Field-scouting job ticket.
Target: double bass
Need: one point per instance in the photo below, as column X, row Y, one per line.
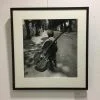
column 41, row 58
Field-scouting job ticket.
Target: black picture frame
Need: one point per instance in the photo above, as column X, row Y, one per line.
column 13, row 47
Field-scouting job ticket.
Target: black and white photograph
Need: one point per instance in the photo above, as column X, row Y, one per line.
column 50, row 47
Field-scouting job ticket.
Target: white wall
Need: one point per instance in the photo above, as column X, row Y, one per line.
column 6, row 92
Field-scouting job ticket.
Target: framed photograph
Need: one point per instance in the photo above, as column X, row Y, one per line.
column 50, row 48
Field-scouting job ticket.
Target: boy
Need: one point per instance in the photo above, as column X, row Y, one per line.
column 51, row 50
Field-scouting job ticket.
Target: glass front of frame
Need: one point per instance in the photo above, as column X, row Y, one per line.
column 49, row 48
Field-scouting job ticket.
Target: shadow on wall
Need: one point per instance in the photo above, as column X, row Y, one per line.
column 37, row 94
